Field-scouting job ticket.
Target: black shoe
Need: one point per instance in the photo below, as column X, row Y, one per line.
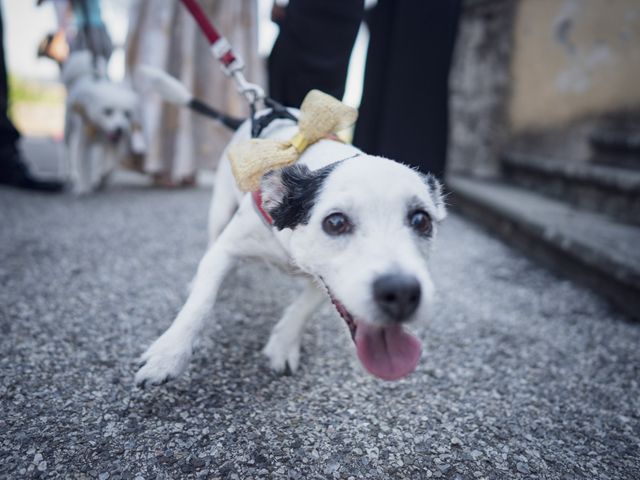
column 15, row 173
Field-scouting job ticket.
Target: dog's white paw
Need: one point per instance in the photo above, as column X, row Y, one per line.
column 283, row 351
column 165, row 360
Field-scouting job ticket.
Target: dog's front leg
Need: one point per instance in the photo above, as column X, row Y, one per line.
column 95, row 163
column 169, row 355
column 102, row 165
column 77, row 148
column 283, row 347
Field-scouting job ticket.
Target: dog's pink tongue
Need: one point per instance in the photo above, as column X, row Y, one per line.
column 389, row 353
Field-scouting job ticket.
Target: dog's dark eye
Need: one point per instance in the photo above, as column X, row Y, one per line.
column 127, row 114
column 337, row 224
column 108, row 112
column 420, row 222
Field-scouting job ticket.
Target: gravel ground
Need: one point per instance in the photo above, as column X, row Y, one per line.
column 524, row 375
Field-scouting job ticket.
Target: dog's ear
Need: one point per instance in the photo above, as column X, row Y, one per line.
column 289, row 194
column 78, row 108
column 272, row 190
column 435, row 190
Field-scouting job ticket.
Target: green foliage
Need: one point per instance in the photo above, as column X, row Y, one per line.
column 21, row 90
column 33, row 92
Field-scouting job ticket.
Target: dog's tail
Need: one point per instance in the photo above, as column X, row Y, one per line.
column 173, row 91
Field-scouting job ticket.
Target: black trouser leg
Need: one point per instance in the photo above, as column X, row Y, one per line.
column 13, row 171
column 313, row 49
column 8, row 133
column 404, row 108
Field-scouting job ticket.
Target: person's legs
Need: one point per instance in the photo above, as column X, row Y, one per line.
column 379, row 20
column 404, row 113
column 9, row 136
column 313, row 48
column 13, row 171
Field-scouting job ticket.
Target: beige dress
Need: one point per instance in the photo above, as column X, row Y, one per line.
column 163, row 34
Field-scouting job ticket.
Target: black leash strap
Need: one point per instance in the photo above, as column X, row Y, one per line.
column 276, row 112
column 232, row 65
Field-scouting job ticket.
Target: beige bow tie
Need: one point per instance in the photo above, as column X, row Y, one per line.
column 321, row 115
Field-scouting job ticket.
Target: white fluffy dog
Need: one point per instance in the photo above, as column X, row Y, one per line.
column 357, row 227
column 101, row 125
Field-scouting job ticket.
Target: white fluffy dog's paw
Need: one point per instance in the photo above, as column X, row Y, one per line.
column 164, row 360
column 283, row 351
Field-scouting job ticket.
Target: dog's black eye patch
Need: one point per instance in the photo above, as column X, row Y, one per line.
column 298, row 189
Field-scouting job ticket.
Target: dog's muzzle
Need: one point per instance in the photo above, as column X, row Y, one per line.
column 397, row 295
column 388, row 352
column 116, row 135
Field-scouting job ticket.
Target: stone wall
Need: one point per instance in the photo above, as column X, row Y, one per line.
column 480, row 82
column 540, row 76
column 573, row 59
column 575, row 68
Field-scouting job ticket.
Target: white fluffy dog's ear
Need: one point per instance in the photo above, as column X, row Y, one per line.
column 80, row 102
column 435, row 190
column 78, row 107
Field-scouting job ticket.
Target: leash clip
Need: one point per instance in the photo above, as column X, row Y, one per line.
column 232, row 66
column 251, row 91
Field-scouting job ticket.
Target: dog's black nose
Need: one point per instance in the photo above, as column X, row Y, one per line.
column 398, row 295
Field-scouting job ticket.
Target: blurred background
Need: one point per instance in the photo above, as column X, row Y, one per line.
column 554, row 77
column 37, row 97
column 545, row 134
column 36, row 94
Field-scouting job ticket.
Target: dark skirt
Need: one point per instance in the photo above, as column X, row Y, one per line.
column 404, row 108
column 313, row 48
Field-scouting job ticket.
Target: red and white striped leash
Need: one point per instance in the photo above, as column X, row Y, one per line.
column 232, row 65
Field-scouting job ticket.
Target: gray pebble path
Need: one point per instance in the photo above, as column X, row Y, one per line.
column 523, row 375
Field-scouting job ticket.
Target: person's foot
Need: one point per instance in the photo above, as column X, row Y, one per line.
column 188, row 181
column 15, row 173
column 164, row 180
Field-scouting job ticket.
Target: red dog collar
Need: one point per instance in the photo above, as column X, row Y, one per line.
column 257, row 203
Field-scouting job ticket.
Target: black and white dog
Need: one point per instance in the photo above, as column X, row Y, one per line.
column 359, row 228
